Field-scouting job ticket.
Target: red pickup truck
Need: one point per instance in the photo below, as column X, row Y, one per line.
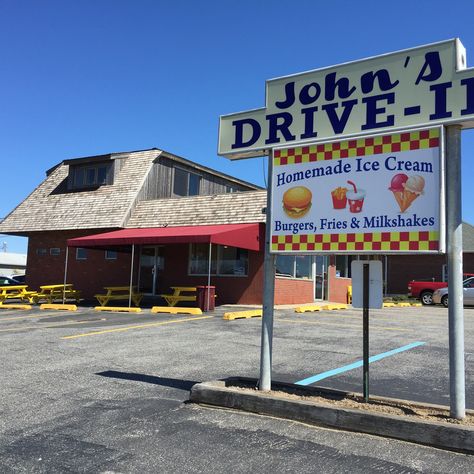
column 424, row 289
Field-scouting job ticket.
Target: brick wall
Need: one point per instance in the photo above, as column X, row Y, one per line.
column 293, row 291
column 403, row 268
column 337, row 286
column 91, row 275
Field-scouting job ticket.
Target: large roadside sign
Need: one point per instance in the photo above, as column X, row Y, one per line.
column 378, row 194
column 356, row 159
column 424, row 86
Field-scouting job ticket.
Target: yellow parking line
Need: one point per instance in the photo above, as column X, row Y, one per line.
column 384, row 328
column 128, row 328
column 56, row 325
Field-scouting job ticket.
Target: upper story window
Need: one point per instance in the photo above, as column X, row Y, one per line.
column 91, row 175
column 186, row 183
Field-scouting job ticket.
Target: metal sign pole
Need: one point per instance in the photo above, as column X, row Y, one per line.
column 65, row 274
column 209, row 275
column 454, row 243
column 365, row 330
column 131, row 277
column 265, row 381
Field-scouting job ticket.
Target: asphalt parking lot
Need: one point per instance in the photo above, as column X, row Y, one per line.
column 89, row 391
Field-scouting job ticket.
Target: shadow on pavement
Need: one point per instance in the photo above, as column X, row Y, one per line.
column 164, row 381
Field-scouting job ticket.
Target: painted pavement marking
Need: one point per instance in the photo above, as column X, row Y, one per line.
column 355, row 365
column 140, row 326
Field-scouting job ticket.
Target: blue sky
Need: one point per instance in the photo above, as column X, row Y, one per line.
column 81, row 78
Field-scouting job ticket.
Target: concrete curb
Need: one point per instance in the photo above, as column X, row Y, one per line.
column 224, row 393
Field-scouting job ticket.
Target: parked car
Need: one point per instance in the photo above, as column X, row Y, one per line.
column 6, row 281
column 424, row 289
column 441, row 296
column 19, row 278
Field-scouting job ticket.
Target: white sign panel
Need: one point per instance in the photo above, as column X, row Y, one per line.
column 424, row 86
column 375, row 283
column 378, row 194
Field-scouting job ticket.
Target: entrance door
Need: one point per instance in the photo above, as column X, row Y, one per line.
column 320, row 277
column 151, row 264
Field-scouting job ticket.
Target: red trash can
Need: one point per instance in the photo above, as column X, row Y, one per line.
column 206, row 296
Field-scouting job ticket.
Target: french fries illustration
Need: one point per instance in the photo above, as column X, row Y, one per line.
column 339, row 199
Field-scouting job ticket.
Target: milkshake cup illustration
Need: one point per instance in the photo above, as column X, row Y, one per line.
column 339, row 198
column 406, row 189
column 355, row 198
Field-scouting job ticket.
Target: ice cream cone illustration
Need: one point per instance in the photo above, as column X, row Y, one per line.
column 397, row 188
column 406, row 189
column 413, row 188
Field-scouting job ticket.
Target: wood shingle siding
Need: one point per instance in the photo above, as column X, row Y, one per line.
column 104, row 207
column 235, row 208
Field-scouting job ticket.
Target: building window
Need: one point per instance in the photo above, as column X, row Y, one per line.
column 91, row 176
column 41, row 252
column 55, row 251
column 224, row 260
column 343, row 266
column 110, row 255
column 81, row 254
column 186, row 183
column 298, row 266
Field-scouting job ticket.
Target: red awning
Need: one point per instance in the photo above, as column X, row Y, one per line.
column 246, row 236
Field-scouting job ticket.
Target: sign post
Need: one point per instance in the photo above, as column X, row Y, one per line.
column 356, row 157
column 367, row 292
column 265, row 381
column 455, row 309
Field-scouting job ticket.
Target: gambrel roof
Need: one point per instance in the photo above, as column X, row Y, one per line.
column 51, row 206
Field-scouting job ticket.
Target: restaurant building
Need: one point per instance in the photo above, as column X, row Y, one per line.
column 170, row 213
column 173, row 213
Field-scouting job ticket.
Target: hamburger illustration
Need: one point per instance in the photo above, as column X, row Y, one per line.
column 297, row 201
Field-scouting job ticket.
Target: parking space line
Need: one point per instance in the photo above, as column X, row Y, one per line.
column 372, row 327
column 355, row 365
column 138, row 326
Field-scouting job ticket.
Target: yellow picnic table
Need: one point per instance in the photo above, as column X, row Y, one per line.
column 178, row 296
column 16, row 292
column 119, row 293
column 50, row 293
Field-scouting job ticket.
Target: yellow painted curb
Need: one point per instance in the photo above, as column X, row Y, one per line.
column 63, row 307
column 243, row 315
column 306, row 309
column 175, row 310
column 15, row 306
column 403, row 305
column 389, row 305
column 416, row 304
column 334, row 306
column 118, row 308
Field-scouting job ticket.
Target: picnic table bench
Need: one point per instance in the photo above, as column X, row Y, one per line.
column 50, row 293
column 16, row 292
column 178, row 296
column 119, row 293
